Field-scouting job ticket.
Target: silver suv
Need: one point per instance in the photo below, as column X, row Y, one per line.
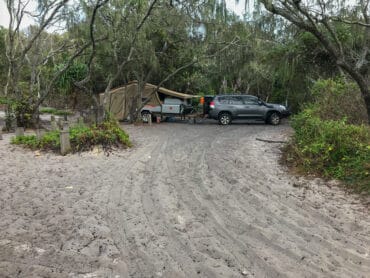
column 226, row 108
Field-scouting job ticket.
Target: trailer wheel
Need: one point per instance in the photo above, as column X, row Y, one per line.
column 145, row 116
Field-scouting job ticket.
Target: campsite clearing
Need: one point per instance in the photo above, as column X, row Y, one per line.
column 186, row 201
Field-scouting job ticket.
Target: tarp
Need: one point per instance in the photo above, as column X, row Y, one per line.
column 121, row 99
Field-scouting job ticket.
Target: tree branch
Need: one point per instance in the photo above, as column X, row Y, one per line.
column 128, row 59
column 81, row 83
column 149, row 11
column 338, row 19
column 44, row 24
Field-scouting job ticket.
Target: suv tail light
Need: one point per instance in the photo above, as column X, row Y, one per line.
column 212, row 105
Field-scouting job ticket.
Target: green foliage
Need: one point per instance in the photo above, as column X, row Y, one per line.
column 344, row 33
column 308, row 41
column 27, row 140
column 8, row 101
column 260, row 54
column 107, row 134
column 77, row 71
column 4, row 101
column 336, row 99
column 47, row 110
column 50, row 141
column 9, row 115
column 332, row 148
column 19, row 109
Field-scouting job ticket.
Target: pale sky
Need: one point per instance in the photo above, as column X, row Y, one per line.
column 237, row 8
column 4, row 16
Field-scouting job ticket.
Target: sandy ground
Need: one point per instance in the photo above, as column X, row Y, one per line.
column 187, row 201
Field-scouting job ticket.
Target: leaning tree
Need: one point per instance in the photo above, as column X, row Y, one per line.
column 343, row 29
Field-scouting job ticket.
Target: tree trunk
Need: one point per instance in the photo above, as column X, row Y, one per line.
column 366, row 95
column 365, row 91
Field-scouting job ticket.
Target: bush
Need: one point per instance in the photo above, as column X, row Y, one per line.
column 7, row 105
column 3, row 101
column 107, row 134
column 338, row 99
column 332, row 148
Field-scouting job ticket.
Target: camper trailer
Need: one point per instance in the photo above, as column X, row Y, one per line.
column 170, row 107
column 158, row 101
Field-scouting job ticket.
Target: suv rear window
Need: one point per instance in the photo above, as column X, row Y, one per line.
column 235, row 100
column 223, row 100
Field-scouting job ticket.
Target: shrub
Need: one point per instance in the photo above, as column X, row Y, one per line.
column 107, row 134
column 332, row 148
column 3, row 101
column 332, row 137
column 338, row 99
column 8, row 105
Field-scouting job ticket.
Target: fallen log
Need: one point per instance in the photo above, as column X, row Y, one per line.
column 271, row 141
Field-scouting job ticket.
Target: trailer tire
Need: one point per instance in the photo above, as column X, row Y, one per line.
column 145, row 116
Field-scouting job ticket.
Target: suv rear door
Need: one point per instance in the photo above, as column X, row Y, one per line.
column 235, row 105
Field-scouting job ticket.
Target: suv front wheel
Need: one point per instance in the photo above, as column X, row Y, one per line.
column 274, row 118
column 224, row 118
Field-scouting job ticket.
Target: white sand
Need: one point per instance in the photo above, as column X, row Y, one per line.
column 186, row 201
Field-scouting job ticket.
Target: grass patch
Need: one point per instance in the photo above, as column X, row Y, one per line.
column 83, row 138
column 54, row 111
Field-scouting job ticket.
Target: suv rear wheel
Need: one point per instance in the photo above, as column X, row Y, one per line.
column 274, row 118
column 224, row 118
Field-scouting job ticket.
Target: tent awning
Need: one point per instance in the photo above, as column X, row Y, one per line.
column 173, row 93
column 160, row 89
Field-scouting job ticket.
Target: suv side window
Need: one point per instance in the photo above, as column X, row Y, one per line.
column 235, row 100
column 249, row 100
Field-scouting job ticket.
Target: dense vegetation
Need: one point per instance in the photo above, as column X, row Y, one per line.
column 334, row 149
column 197, row 47
column 331, row 142
column 108, row 135
column 313, row 56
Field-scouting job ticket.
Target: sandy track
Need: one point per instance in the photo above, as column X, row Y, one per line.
column 186, row 201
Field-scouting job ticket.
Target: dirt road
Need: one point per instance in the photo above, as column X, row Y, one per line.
column 186, row 201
